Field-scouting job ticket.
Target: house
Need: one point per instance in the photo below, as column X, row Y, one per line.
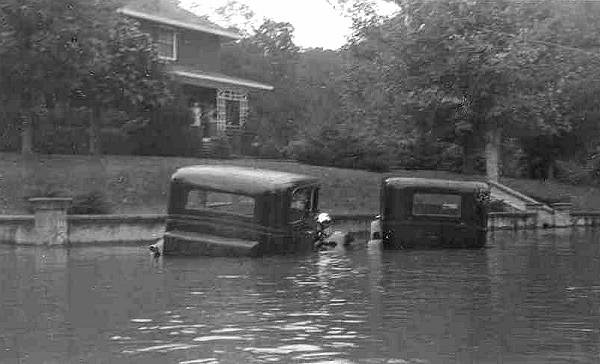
column 191, row 46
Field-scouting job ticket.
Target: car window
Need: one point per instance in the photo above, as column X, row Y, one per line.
column 437, row 204
column 219, row 201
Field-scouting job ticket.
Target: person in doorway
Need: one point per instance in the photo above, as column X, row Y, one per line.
column 196, row 115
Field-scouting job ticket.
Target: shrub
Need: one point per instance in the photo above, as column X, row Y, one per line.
column 39, row 189
column 165, row 133
column 9, row 133
column 573, row 173
column 332, row 147
column 89, row 203
column 429, row 153
column 46, row 190
column 116, row 141
column 269, row 149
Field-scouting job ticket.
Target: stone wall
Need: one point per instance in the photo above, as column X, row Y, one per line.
column 122, row 229
column 146, row 229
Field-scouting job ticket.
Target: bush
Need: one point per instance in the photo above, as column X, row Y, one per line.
column 429, row 153
column 51, row 138
column 165, row 133
column 573, row 173
column 9, row 133
column 116, row 141
column 90, row 203
column 332, row 147
column 46, row 190
column 269, row 149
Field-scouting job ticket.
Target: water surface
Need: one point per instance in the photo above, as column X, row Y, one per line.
column 529, row 297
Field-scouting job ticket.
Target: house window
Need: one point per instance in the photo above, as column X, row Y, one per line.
column 167, row 44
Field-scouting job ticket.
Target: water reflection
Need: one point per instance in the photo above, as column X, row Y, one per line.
column 529, row 297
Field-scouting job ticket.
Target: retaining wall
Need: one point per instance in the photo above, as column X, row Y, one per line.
column 144, row 229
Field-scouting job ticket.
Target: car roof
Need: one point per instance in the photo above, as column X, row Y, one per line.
column 425, row 183
column 242, row 180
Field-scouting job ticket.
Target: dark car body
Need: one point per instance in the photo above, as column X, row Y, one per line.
column 433, row 213
column 233, row 211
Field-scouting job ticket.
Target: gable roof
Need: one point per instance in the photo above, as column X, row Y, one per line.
column 169, row 13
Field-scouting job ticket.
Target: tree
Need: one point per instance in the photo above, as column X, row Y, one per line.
column 52, row 50
column 271, row 56
column 124, row 73
column 40, row 57
column 484, row 66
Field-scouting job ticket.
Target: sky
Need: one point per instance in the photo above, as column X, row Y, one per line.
column 316, row 22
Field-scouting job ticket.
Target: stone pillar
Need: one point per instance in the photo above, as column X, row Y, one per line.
column 562, row 214
column 492, row 153
column 51, row 220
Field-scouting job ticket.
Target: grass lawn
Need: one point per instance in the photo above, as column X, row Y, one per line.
column 139, row 184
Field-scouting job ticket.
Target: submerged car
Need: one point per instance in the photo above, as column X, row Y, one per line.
column 431, row 213
column 233, row 211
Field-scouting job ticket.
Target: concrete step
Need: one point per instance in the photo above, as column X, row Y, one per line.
column 547, row 216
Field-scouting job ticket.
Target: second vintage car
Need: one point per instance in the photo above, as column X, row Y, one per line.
column 431, row 213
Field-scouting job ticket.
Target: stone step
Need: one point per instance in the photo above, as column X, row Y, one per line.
column 547, row 216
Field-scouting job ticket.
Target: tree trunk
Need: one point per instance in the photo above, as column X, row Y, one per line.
column 26, row 135
column 469, row 154
column 492, row 153
column 94, row 131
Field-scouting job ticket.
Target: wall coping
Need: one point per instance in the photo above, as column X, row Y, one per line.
column 116, row 217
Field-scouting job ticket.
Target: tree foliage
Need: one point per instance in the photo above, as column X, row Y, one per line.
column 453, row 69
column 304, row 94
column 77, row 53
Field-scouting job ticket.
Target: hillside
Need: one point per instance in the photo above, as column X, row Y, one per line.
column 136, row 184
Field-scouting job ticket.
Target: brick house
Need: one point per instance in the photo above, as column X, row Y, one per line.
column 191, row 46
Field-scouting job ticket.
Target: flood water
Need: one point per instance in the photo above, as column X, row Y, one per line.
column 529, row 297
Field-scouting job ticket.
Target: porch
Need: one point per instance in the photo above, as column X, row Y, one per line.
column 218, row 104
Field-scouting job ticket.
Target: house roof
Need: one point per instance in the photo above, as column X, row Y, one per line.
column 241, row 180
column 214, row 79
column 169, row 13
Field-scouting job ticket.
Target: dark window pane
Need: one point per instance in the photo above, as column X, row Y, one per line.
column 218, row 201
column 232, row 109
column 301, row 203
column 437, row 204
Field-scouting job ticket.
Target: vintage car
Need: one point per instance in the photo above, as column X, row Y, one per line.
column 232, row 211
column 431, row 213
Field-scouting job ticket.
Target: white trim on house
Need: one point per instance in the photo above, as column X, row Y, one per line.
column 223, row 79
column 180, row 24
